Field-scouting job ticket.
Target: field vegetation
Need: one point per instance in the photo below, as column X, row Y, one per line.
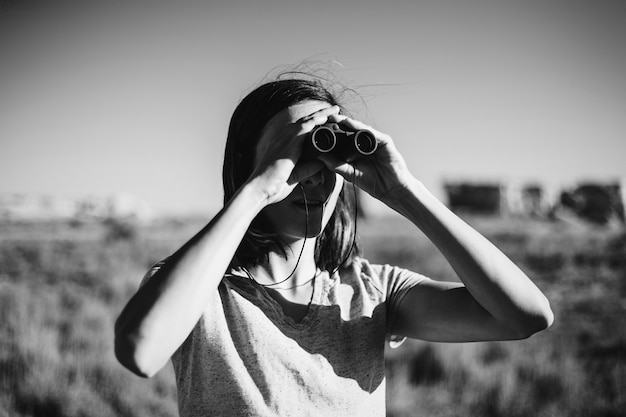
column 63, row 284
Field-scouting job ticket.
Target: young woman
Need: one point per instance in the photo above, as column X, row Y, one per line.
column 270, row 310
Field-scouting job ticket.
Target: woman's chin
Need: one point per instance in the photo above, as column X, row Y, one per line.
column 313, row 230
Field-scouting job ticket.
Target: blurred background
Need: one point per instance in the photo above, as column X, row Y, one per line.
column 113, row 118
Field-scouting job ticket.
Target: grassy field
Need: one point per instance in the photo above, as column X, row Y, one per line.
column 62, row 285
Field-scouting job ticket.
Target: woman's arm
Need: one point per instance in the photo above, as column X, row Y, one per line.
column 495, row 301
column 160, row 316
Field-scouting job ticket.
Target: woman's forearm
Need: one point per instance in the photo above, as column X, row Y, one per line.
column 496, row 283
column 163, row 312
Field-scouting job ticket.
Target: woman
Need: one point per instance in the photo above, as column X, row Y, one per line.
column 270, row 311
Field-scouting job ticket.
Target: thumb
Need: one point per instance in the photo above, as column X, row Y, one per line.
column 303, row 170
column 345, row 169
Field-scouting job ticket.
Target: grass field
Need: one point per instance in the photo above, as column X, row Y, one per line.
column 62, row 285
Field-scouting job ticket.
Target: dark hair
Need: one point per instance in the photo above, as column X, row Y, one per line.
column 335, row 244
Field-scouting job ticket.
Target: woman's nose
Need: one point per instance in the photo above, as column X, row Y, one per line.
column 315, row 179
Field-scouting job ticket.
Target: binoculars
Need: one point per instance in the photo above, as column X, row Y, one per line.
column 345, row 145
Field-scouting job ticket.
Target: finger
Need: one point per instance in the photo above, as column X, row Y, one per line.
column 316, row 120
column 313, row 123
column 337, row 118
column 353, row 125
column 304, row 170
column 328, row 111
column 343, row 168
column 325, row 112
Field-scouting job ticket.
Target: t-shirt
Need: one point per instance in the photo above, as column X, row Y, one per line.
column 245, row 357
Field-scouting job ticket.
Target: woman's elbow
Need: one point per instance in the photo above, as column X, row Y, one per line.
column 132, row 356
column 536, row 321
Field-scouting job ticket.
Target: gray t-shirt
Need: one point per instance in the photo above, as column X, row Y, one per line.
column 245, row 357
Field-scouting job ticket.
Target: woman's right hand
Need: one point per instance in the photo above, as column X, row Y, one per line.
column 276, row 167
column 162, row 314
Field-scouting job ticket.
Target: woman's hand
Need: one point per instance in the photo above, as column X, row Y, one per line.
column 277, row 170
column 378, row 174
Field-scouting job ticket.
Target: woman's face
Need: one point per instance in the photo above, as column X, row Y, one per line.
column 288, row 217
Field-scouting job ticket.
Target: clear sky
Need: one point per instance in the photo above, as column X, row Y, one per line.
column 105, row 97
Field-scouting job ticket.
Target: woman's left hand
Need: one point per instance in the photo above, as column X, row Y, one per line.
column 377, row 174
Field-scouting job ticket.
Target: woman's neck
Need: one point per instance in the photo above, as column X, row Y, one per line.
column 295, row 269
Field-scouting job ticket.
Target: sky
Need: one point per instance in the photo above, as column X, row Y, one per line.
column 101, row 98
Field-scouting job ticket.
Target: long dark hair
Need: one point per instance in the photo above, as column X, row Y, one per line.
column 335, row 244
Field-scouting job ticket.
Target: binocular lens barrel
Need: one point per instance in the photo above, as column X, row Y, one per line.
column 365, row 142
column 323, row 139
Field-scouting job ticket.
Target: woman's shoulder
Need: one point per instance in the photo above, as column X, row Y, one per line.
column 360, row 271
column 387, row 278
column 152, row 271
column 362, row 267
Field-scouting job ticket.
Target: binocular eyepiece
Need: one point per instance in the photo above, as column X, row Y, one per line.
column 346, row 145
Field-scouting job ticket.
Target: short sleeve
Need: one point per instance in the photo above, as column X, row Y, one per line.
column 153, row 270
column 398, row 282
